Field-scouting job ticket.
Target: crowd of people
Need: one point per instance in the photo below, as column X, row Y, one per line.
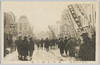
column 82, row 48
column 25, row 48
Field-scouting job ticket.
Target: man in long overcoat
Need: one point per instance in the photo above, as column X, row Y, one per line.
column 25, row 48
column 19, row 47
column 71, row 45
column 65, row 45
column 61, row 46
column 42, row 43
column 47, row 44
column 85, row 50
column 31, row 47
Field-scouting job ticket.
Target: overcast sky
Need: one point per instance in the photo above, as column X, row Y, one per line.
column 39, row 14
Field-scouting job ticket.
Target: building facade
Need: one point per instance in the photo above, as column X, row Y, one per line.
column 23, row 27
column 66, row 27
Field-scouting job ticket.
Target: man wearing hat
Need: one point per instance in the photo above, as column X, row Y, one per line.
column 25, row 48
column 65, row 43
column 19, row 49
column 47, row 44
column 85, row 48
column 61, row 46
column 31, row 47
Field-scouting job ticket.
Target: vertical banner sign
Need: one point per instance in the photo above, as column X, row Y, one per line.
column 74, row 15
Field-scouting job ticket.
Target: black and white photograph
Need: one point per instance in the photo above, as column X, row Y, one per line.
column 50, row 32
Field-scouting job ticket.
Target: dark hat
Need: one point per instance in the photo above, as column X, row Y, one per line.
column 25, row 37
column 65, row 37
column 84, row 35
column 46, row 38
column 19, row 37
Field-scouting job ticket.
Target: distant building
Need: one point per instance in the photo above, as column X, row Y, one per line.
column 67, row 27
column 23, row 27
column 56, row 29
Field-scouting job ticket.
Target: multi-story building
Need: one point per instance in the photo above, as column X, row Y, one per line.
column 23, row 27
column 85, row 12
column 84, row 15
column 67, row 27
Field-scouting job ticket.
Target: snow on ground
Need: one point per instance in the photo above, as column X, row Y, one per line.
column 39, row 54
column 12, row 56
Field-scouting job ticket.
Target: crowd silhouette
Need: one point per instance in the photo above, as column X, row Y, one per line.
column 81, row 48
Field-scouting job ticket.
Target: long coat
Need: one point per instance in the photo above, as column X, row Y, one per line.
column 19, row 46
column 61, row 44
column 71, row 46
column 25, row 47
column 41, row 43
column 65, row 43
column 47, row 43
column 86, row 51
column 31, row 46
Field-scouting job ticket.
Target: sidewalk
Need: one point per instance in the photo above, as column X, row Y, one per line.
column 11, row 56
column 57, row 54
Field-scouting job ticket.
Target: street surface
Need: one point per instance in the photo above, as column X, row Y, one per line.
column 41, row 55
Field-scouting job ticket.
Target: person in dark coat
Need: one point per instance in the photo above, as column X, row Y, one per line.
column 51, row 43
column 38, row 43
column 65, row 43
column 19, row 47
column 61, row 46
column 93, row 48
column 59, row 42
column 41, row 42
column 85, row 50
column 25, row 48
column 72, row 43
column 47, row 44
column 31, row 47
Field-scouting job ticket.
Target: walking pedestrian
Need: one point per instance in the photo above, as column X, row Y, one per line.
column 47, row 44
column 65, row 45
column 19, row 47
column 38, row 43
column 31, row 47
column 71, row 45
column 41, row 42
column 61, row 46
column 25, row 48
column 50, row 43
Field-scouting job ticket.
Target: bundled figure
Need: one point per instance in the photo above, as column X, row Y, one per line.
column 38, row 43
column 71, row 46
column 42, row 43
column 25, row 48
column 19, row 47
column 61, row 46
column 31, row 47
column 47, row 44
column 87, row 49
column 65, row 45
